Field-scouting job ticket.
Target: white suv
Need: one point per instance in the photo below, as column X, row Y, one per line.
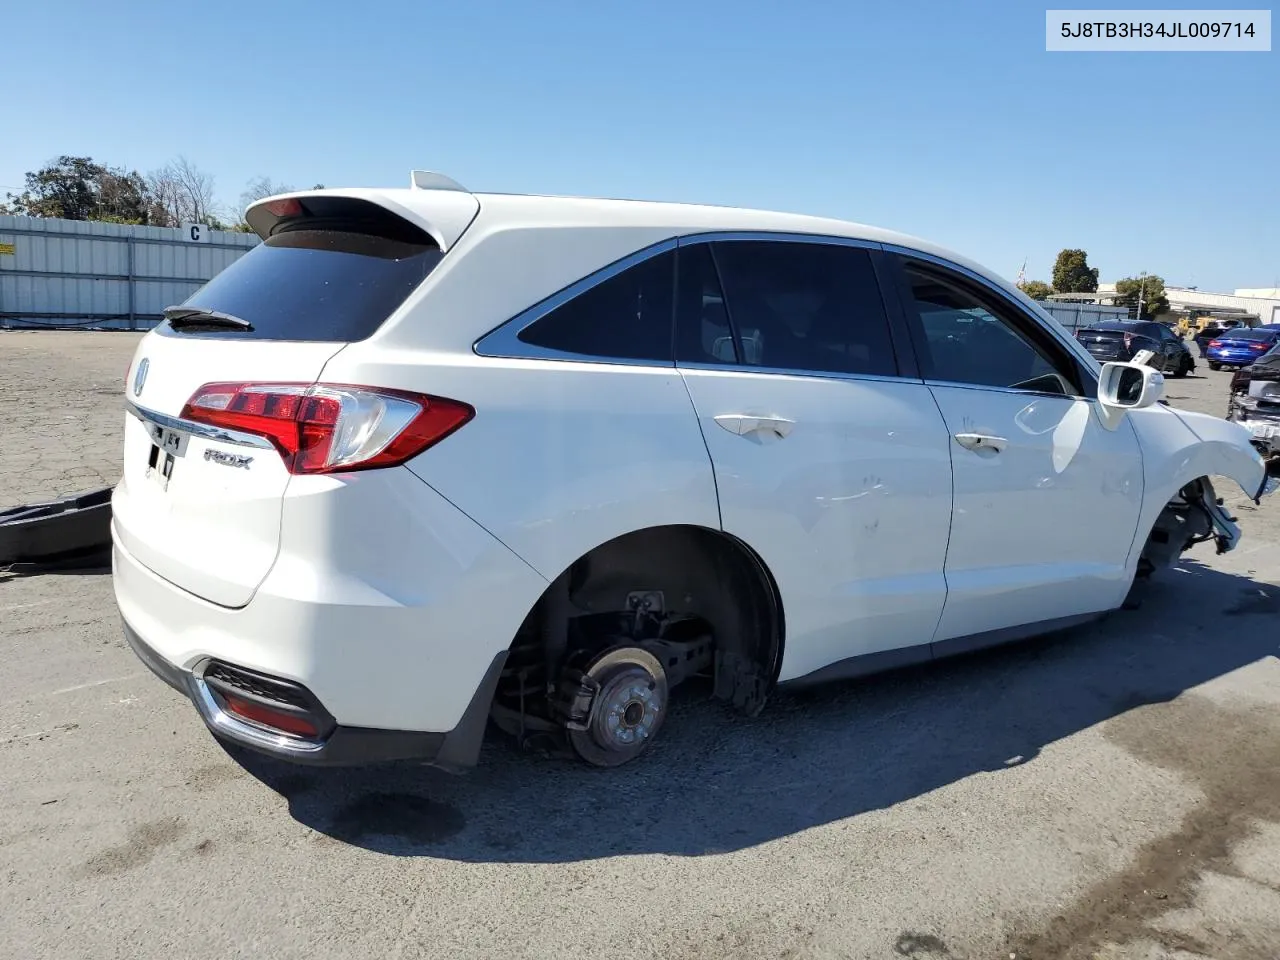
column 426, row 458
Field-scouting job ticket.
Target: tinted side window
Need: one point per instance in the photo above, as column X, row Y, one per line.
column 704, row 334
column 627, row 317
column 805, row 306
column 967, row 339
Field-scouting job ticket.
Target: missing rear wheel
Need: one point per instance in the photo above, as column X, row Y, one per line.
column 627, row 709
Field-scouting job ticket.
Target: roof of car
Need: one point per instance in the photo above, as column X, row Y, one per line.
column 1256, row 333
column 686, row 218
column 678, row 217
column 443, row 201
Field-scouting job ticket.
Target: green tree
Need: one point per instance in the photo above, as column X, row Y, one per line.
column 1035, row 289
column 1151, row 289
column 79, row 188
column 1072, row 273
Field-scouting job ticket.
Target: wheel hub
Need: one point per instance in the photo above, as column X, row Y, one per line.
column 629, row 706
column 627, row 710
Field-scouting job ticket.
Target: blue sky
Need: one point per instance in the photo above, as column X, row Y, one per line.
column 947, row 120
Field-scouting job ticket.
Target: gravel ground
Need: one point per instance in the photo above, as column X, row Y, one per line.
column 1111, row 792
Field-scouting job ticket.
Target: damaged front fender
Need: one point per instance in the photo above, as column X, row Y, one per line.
column 1225, row 449
column 1181, row 452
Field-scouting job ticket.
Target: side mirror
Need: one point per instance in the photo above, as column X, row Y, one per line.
column 1127, row 386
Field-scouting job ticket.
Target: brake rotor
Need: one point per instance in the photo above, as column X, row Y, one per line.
column 627, row 710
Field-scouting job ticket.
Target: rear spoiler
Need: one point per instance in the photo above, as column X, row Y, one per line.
column 436, row 204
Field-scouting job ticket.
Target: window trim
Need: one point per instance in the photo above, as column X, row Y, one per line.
column 1010, row 311
column 504, row 343
column 904, row 355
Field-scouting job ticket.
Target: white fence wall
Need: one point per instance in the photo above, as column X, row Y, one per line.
column 92, row 275
column 1073, row 316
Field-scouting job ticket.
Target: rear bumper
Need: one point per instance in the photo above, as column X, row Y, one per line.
column 343, row 745
column 386, row 604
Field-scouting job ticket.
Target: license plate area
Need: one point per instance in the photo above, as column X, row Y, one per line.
column 165, row 449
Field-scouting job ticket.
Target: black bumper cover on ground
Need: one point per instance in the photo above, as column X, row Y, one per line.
column 354, row 746
column 59, row 531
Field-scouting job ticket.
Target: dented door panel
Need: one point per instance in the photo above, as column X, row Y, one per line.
column 1042, row 527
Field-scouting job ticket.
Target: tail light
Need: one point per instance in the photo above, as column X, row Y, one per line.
column 1215, row 343
column 1259, row 345
column 328, row 428
column 1128, row 341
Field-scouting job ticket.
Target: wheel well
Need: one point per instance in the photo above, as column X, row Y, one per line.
column 701, row 573
column 1181, row 523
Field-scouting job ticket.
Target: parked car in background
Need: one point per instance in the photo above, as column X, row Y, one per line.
column 427, row 457
column 1241, row 347
column 1254, row 402
column 1212, row 331
column 1122, row 340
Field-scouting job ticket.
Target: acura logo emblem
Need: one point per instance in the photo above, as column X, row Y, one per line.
column 140, row 377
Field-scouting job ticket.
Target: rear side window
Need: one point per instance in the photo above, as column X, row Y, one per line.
column 704, row 332
column 318, row 279
column 808, row 307
column 626, row 317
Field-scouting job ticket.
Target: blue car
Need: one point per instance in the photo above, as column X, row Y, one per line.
column 1241, row 346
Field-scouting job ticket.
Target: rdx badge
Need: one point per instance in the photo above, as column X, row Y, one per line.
column 227, row 459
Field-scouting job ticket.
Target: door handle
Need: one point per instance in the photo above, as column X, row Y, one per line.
column 981, row 443
column 744, row 425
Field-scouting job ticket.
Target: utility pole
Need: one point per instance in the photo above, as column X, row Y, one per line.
column 1142, row 289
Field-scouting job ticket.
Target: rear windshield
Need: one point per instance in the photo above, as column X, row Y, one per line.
column 313, row 284
column 1249, row 334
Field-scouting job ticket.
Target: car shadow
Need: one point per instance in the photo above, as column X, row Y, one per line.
column 717, row 782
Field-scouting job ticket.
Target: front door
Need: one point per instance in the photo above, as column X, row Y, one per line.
column 828, row 463
column 1046, row 498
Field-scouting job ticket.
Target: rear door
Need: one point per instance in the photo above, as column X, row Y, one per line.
column 201, row 506
column 829, row 462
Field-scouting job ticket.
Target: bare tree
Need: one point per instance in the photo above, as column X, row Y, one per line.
column 167, row 197
column 184, row 192
column 198, row 189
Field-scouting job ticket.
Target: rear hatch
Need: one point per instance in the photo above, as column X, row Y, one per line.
column 1106, row 344
column 200, row 499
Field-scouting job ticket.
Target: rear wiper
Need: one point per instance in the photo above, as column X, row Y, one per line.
column 197, row 317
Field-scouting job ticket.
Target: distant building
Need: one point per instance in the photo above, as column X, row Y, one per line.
column 1252, row 306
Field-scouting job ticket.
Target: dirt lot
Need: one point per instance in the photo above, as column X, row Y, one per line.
column 1113, row 792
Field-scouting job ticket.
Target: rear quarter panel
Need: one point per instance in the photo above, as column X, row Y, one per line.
column 561, row 456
